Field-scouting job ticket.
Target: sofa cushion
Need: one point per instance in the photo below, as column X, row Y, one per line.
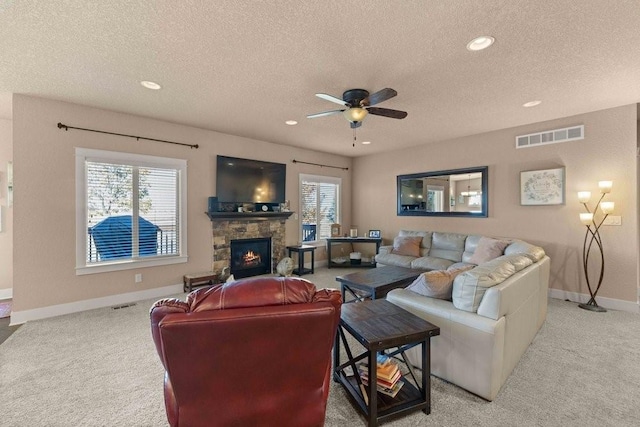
column 407, row 245
column 487, row 250
column 470, row 286
column 430, row 263
column 395, row 259
column 536, row 253
column 470, row 245
column 447, row 245
column 436, row 283
column 425, row 244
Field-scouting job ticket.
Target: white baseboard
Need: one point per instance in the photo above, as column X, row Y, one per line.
column 6, row 293
column 613, row 304
column 19, row 317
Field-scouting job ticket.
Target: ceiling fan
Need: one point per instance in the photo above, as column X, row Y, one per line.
column 359, row 103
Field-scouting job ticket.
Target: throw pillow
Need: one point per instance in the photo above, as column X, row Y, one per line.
column 436, row 283
column 407, row 245
column 487, row 250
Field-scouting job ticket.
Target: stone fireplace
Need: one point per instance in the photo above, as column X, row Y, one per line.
column 229, row 226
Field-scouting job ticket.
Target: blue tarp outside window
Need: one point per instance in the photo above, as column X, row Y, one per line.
column 112, row 237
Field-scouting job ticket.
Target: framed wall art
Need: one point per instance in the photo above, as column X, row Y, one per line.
column 542, row 187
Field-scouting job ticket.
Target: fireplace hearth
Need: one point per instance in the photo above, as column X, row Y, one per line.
column 250, row 257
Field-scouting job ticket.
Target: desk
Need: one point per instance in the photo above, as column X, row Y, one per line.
column 331, row 240
column 300, row 250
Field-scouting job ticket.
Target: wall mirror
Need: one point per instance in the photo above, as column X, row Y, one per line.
column 457, row 192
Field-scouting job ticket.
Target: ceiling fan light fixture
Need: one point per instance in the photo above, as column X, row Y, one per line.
column 355, row 114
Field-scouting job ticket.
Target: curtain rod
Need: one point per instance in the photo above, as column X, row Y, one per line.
column 322, row 166
column 65, row 127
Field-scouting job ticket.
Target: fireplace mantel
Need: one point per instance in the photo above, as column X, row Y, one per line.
column 248, row 216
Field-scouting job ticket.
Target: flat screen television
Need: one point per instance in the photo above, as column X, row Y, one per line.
column 249, row 181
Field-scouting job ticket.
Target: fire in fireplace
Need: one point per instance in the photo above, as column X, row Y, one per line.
column 250, row 257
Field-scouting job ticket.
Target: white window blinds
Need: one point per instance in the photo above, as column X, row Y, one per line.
column 319, row 206
column 132, row 211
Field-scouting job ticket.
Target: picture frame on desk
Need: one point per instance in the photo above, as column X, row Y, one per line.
column 335, row 230
column 374, row 234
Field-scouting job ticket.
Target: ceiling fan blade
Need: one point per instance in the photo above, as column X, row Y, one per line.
column 332, row 99
column 324, row 113
column 355, row 124
column 386, row 112
column 379, row 96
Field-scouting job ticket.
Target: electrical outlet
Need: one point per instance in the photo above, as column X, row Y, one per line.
column 613, row 220
column 138, row 278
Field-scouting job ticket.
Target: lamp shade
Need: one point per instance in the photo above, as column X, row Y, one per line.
column 584, row 196
column 605, row 186
column 607, row 207
column 355, row 114
column 586, row 218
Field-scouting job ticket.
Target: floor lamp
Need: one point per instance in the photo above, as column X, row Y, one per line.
column 592, row 239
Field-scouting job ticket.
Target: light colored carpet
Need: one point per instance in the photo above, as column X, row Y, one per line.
column 100, row 368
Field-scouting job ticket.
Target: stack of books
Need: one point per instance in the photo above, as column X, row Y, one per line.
column 388, row 376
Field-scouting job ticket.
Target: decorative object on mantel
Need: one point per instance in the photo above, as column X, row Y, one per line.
column 542, row 187
column 592, row 235
column 65, row 127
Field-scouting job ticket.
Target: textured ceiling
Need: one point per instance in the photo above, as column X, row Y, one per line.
column 244, row 67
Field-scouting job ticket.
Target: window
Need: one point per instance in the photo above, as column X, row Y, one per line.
column 130, row 211
column 319, row 206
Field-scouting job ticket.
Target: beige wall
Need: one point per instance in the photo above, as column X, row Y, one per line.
column 44, row 202
column 607, row 152
column 6, row 235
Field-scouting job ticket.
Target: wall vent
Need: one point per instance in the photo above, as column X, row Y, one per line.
column 118, row 307
column 550, row 137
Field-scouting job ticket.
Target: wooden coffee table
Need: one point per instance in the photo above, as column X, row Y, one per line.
column 377, row 282
column 380, row 325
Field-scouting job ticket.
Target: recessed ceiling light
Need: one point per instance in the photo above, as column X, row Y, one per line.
column 150, row 85
column 291, row 122
column 366, row 142
column 531, row 104
column 480, row 43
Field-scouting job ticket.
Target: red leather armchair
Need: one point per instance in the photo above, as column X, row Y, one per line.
column 255, row 352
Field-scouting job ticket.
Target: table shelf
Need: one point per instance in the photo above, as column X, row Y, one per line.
column 352, row 240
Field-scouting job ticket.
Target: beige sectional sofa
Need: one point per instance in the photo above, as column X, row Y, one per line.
column 495, row 310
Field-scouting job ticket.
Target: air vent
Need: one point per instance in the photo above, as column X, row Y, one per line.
column 118, row 307
column 550, row 137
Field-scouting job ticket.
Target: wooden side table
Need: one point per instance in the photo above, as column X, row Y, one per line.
column 301, row 250
column 206, row 278
column 380, row 326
